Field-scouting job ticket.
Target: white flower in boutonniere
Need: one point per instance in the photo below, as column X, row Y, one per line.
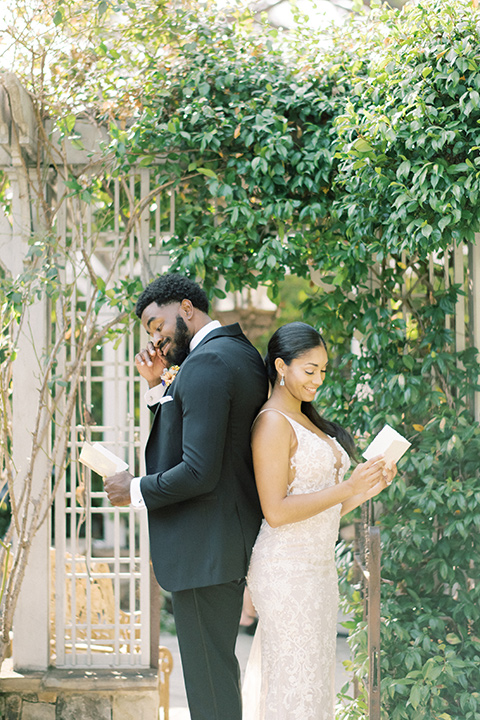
column 168, row 375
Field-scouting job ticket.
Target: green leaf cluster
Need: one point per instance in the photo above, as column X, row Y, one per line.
column 408, row 146
column 244, row 135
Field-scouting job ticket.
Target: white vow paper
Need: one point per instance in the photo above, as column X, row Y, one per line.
column 100, row 460
column 388, row 443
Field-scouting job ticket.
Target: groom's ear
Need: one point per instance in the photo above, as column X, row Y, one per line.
column 187, row 309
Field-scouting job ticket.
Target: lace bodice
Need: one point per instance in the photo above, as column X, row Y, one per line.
column 314, row 461
column 293, row 583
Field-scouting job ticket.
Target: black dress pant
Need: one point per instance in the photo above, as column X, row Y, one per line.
column 207, row 621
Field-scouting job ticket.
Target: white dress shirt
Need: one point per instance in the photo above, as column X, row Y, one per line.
column 153, row 396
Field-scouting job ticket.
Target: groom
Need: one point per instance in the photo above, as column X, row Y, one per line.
column 199, row 489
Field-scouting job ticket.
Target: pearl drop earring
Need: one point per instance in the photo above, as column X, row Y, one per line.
column 282, row 381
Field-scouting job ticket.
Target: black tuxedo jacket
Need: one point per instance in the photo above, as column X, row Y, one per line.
column 203, row 508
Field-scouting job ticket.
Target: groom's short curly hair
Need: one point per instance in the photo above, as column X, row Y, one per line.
column 170, row 288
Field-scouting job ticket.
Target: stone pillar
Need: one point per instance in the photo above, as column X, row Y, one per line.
column 18, row 141
column 31, row 622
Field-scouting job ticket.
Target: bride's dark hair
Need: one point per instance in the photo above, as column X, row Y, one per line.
column 289, row 342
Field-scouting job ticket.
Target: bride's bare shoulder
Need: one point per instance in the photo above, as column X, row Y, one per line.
column 271, row 420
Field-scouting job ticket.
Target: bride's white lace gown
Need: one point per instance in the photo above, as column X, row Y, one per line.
column 293, row 583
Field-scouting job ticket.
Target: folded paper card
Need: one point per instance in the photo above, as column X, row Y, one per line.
column 388, row 443
column 102, row 461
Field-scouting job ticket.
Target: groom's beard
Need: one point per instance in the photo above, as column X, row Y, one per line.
column 181, row 343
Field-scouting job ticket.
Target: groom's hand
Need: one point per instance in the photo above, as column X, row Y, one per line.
column 150, row 363
column 117, row 488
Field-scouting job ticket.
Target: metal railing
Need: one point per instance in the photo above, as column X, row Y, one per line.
column 367, row 559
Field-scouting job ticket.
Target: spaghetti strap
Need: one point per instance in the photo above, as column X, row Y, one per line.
column 290, row 420
column 274, row 410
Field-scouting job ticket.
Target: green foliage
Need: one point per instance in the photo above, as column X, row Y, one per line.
column 244, row 136
column 289, row 295
column 409, row 138
column 407, row 187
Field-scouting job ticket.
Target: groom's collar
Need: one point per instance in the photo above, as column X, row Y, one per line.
column 203, row 332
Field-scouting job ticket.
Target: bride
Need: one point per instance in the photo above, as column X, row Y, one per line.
column 300, row 462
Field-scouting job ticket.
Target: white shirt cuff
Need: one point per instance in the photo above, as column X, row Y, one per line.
column 153, row 395
column 136, row 498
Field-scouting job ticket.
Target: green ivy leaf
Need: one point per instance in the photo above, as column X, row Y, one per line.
column 208, row 172
column 452, row 639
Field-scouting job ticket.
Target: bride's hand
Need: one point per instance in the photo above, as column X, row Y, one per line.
column 367, row 475
column 389, row 472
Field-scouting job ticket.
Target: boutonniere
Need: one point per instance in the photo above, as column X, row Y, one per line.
column 168, row 375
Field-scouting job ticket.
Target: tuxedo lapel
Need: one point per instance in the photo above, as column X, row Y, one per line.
column 158, row 412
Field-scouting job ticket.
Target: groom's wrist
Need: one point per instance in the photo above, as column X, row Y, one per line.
column 136, row 497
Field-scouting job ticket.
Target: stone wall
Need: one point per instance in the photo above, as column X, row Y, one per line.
column 80, row 695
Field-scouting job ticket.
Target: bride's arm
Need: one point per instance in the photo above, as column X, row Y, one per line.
column 272, row 442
